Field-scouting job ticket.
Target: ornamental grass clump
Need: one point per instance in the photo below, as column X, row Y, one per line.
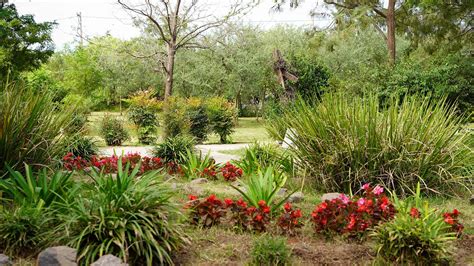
column 270, row 250
column 132, row 218
column 344, row 141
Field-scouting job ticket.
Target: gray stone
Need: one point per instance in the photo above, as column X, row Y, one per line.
column 330, row 196
column 282, row 191
column 5, row 260
column 57, row 256
column 199, row 181
column 194, row 190
column 296, row 197
column 109, row 260
column 174, row 186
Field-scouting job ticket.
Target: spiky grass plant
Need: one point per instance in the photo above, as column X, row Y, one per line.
column 343, row 142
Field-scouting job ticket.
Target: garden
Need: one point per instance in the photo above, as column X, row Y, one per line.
column 336, row 167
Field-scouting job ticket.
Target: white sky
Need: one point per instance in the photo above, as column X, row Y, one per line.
column 102, row 16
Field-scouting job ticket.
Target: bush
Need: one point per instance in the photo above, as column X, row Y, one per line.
column 82, row 146
column 268, row 250
column 417, row 235
column 113, row 131
column 132, row 218
column 343, row 142
column 199, row 120
column 77, row 125
column 174, row 149
column 23, row 230
column 197, row 165
column 221, row 116
column 143, row 113
column 175, row 121
column 30, row 128
column 261, row 156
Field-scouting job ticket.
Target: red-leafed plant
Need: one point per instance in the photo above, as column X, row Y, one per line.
column 344, row 215
column 206, row 212
column 108, row 164
column 451, row 218
column 259, row 216
column 238, row 210
column 72, row 162
column 231, row 172
column 289, row 221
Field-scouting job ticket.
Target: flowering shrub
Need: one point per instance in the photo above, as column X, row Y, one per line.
column 344, row 215
column 109, row 163
column 238, row 210
column 72, row 162
column 207, row 212
column 259, row 216
column 451, row 218
column 289, row 221
column 231, row 172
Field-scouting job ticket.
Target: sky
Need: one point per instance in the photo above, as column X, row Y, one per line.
column 100, row 17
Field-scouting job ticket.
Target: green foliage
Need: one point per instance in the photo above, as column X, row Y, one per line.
column 313, row 78
column 24, row 43
column 260, row 156
column 270, row 250
column 263, row 185
column 221, row 116
column 42, row 188
column 132, row 218
column 143, row 113
column 174, row 149
column 82, row 146
column 77, row 124
column 175, row 121
column 421, row 240
column 30, row 127
column 198, row 117
column 23, row 230
column 113, row 131
column 194, row 165
column 344, row 141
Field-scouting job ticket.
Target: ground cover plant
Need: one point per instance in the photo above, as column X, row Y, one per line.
column 345, row 141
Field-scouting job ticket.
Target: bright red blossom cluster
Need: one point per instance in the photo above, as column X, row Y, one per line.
column 345, row 215
column 207, row 212
column 289, row 221
column 109, row 164
column 231, row 172
column 72, row 162
column 452, row 219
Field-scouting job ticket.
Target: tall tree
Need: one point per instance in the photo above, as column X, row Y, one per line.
column 178, row 23
column 24, row 43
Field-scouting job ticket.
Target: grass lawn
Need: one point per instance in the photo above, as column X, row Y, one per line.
column 248, row 130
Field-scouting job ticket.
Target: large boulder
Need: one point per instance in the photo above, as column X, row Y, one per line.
column 57, row 256
column 330, row 196
column 5, row 260
column 109, row 260
column 296, row 197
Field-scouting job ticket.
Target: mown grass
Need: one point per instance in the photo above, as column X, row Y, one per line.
column 247, row 130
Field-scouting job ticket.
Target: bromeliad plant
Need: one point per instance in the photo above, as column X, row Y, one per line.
column 263, row 186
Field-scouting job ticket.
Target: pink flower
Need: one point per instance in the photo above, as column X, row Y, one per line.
column 378, row 190
column 361, row 202
column 366, row 186
column 344, row 198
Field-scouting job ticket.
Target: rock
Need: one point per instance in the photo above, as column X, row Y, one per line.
column 109, row 260
column 330, row 196
column 282, row 191
column 236, row 183
column 199, row 181
column 174, row 186
column 57, row 256
column 194, row 190
column 5, row 260
column 296, row 197
column 472, row 200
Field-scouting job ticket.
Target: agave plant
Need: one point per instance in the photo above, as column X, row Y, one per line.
column 264, row 186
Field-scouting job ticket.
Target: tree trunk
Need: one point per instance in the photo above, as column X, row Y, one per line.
column 169, row 70
column 391, row 31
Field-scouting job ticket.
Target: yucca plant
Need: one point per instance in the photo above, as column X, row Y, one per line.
column 343, row 142
column 31, row 127
column 195, row 164
column 263, row 186
column 127, row 216
column 42, row 187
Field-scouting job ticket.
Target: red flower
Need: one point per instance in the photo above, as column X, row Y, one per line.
column 448, row 219
column 266, row 209
column 287, row 206
column 414, row 212
column 455, row 212
column 192, row 197
column 242, row 203
column 228, row 202
column 258, row 217
column 261, row 203
column 297, row 214
column 211, row 198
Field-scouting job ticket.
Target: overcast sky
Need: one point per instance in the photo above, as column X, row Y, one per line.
column 102, row 16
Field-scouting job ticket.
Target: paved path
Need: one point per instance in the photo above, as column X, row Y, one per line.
column 214, row 149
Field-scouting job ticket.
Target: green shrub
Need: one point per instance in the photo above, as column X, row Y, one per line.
column 113, row 131
column 132, row 218
column 196, row 165
column 263, row 185
column 221, row 116
column 199, row 120
column 82, row 146
column 23, row 230
column 269, row 250
column 77, row 125
column 174, row 149
column 343, row 142
column 42, row 188
column 175, row 121
column 143, row 113
column 30, row 128
column 260, row 156
column 418, row 234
